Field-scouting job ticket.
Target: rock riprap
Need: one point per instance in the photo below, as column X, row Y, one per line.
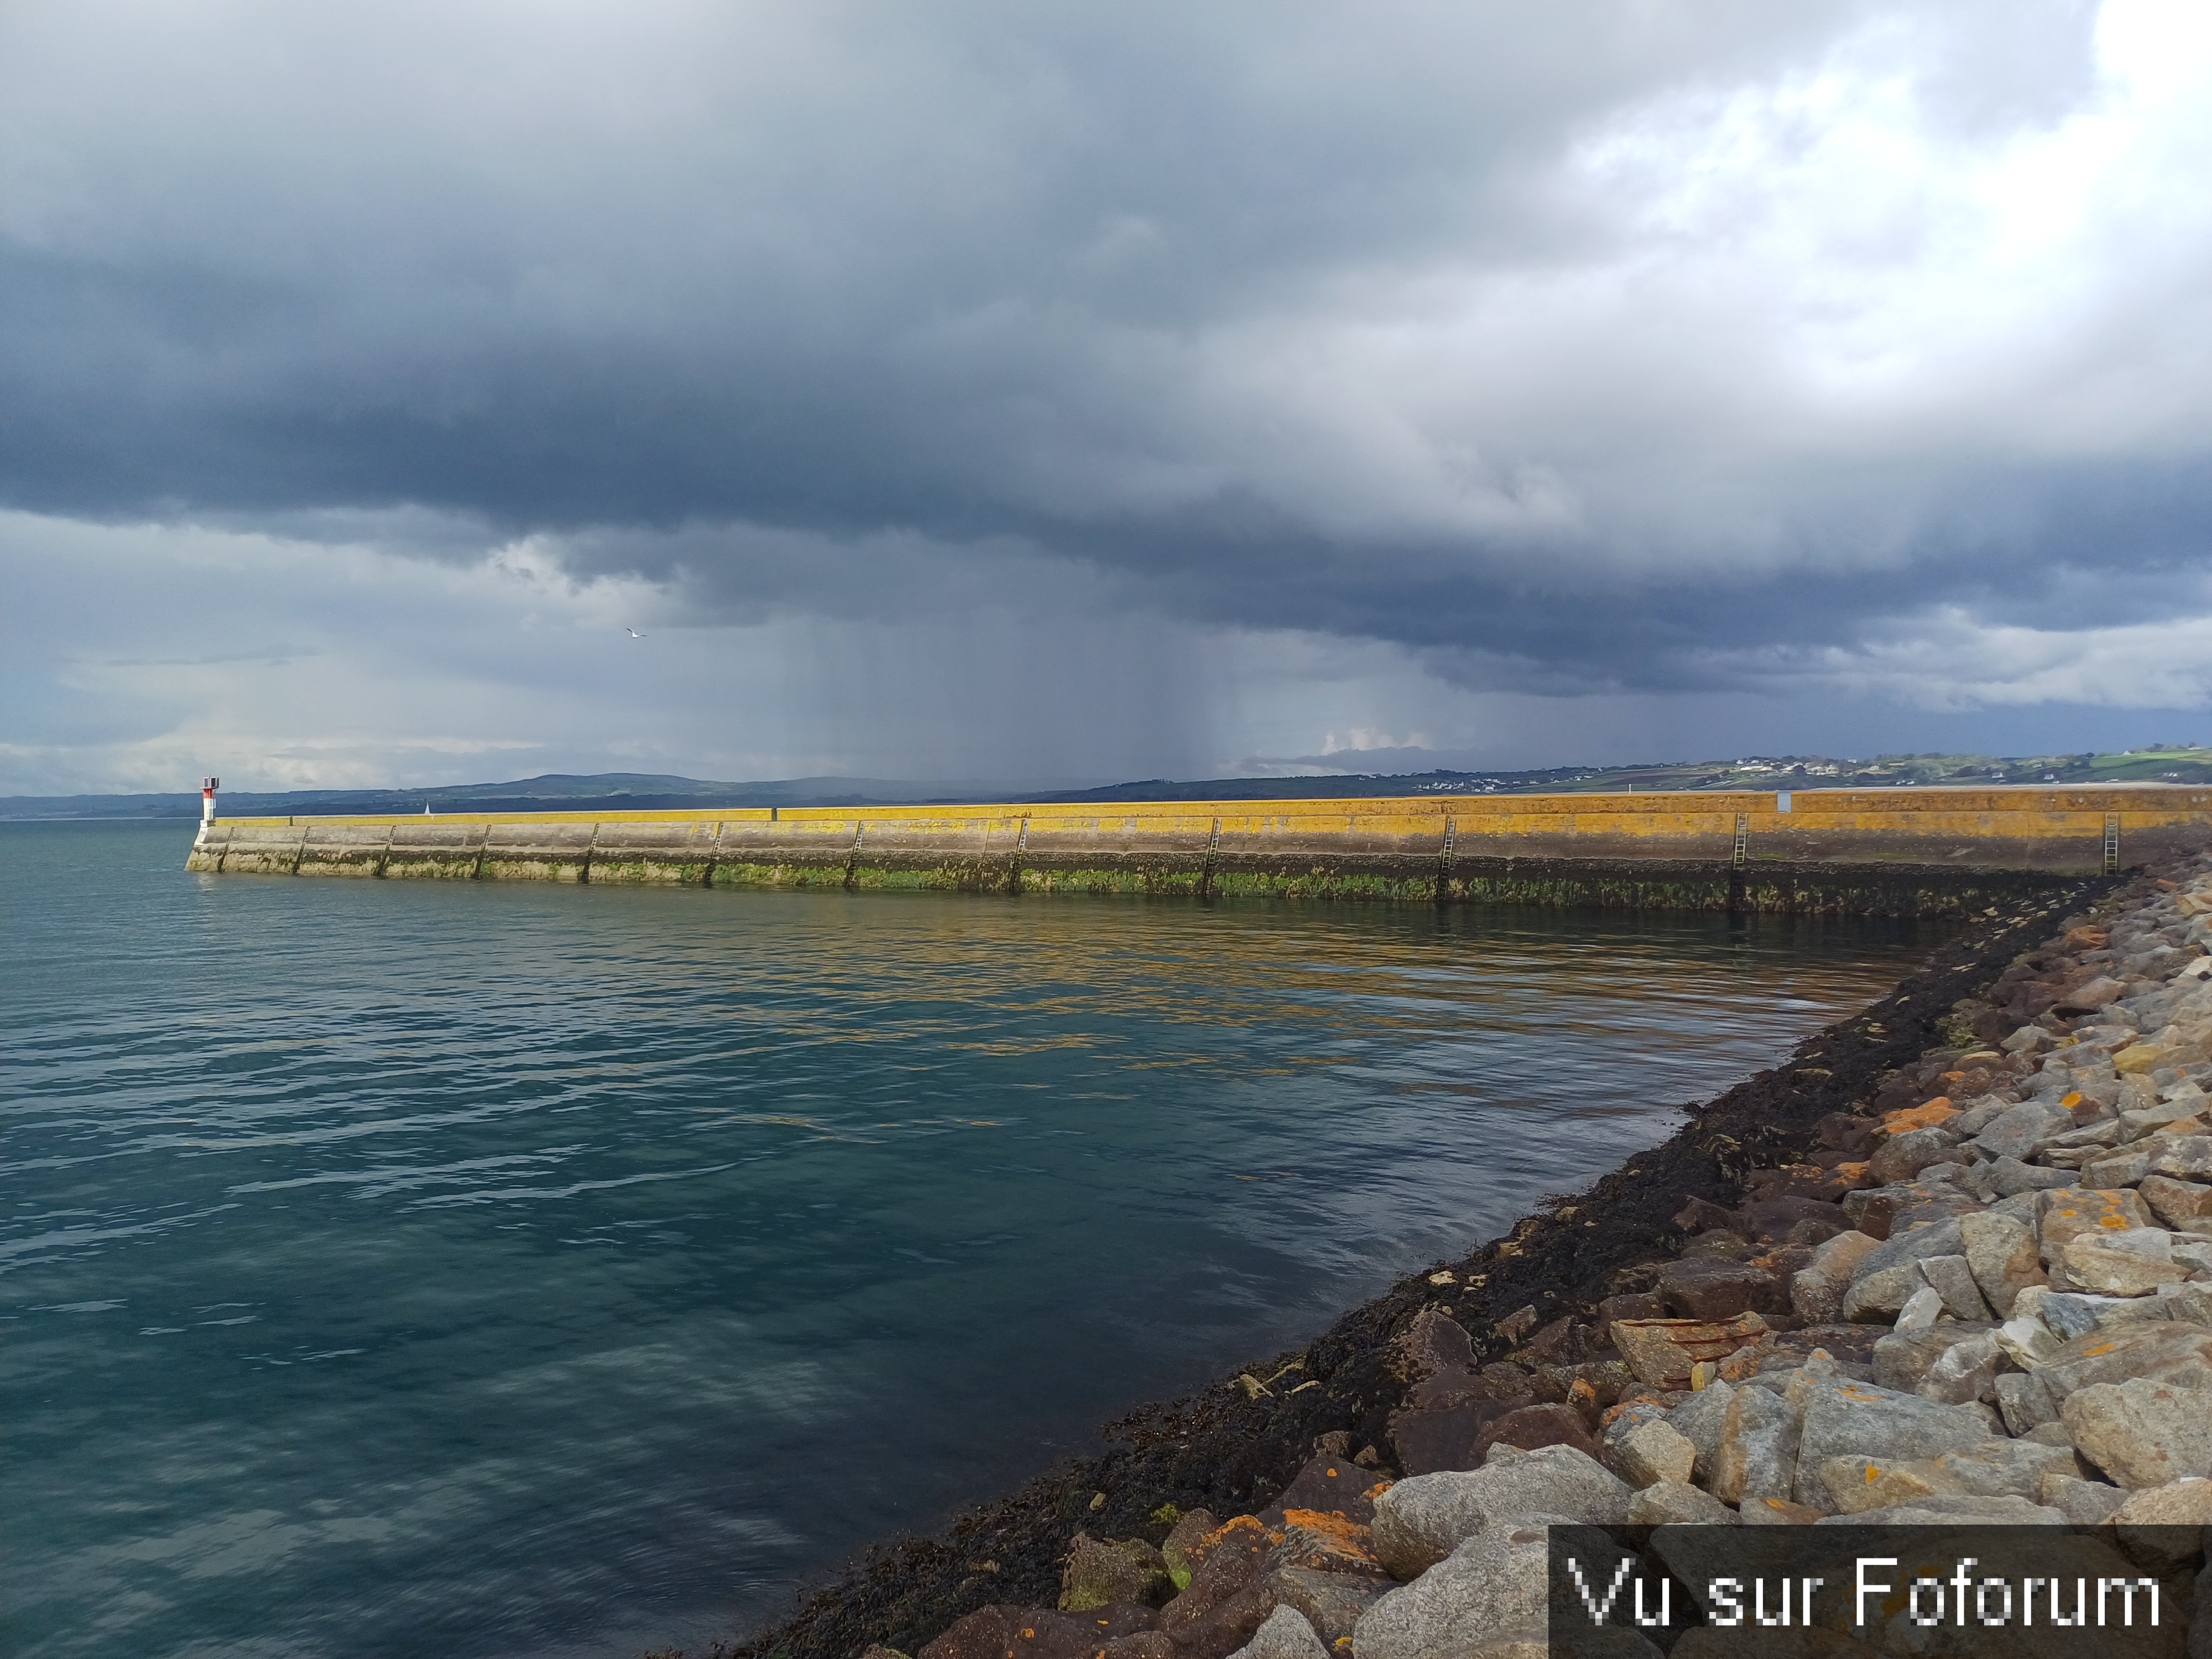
column 1986, row 1295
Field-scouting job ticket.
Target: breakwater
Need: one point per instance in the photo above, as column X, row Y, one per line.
column 1887, row 851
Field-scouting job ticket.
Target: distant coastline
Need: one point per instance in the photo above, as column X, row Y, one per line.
column 651, row 792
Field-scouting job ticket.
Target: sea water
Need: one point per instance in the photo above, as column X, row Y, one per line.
column 453, row 1269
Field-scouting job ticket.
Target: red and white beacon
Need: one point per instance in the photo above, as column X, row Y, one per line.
column 208, row 787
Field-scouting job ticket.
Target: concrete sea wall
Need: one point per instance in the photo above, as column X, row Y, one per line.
column 1889, row 850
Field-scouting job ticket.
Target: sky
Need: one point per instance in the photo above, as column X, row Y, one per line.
column 996, row 390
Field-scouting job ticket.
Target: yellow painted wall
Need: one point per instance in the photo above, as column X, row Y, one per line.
column 1966, row 814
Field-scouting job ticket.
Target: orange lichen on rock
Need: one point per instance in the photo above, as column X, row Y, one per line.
column 1325, row 1540
column 1924, row 1116
column 1229, row 1532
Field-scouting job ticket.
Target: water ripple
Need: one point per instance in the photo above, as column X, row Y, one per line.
column 479, row 1271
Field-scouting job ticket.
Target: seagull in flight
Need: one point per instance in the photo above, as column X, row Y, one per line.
column 633, row 633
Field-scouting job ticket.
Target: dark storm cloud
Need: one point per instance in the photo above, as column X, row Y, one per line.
column 1413, row 323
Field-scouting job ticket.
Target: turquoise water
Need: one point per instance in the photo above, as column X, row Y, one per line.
column 494, row 1270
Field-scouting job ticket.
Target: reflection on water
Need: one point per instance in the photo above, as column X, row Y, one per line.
column 505, row 1269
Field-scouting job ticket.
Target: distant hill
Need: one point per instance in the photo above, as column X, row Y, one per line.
column 553, row 793
column 646, row 792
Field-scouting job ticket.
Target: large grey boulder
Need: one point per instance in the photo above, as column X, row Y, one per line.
column 1333, row 1602
column 1625, row 1420
column 2069, row 1212
column 2193, row 1251
column 2018, row 1131
column 2102, row 1089
column 2143, row 1431
column 2178, row 1354
column 2122, row 1169
column 1951, row 1277
column 2084, row 1503
column 2023, row 1403
column 1920, row 1312
column 2176, row 1201
column 2070, row 1314
column 1965, row 1371
column 2028, row 1341
column 2161, row 1527
column 1700, row 1420
column 1878, row 1297
column 2000, row 1468
column 2187, row 1305
column 2132, row 1262
column 2188, row 1158
column 1902, row 1357
column 1420, row 1522
column 1816, row 1292
column 1976, row 1116
column 1652, row 1452
column 1284, row 1635
column 1902, row 1156
column 1492, row 1580
column 2173, row 1119
column 1844, row 1419
column 1941, row 1236
column 2021, row 1207
column 2089, row 996
column 2008, row 1177
column 1818, row 1367
column 1888, row 1212
column 1887, row 1275
column 1758, row 1453
column 2001, row 1254
column 1997, row 1468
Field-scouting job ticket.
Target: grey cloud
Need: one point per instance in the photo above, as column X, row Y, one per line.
column 876, row 313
